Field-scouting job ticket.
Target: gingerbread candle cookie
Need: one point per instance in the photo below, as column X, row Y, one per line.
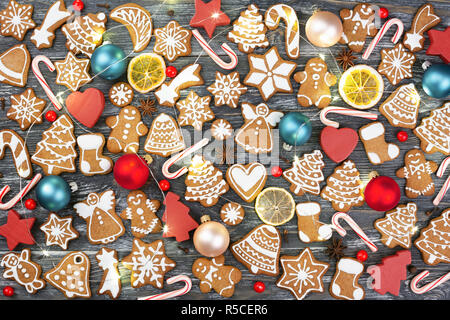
column 358, row 23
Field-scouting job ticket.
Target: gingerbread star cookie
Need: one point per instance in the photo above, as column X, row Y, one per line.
column 26, row 109
column 72, row 72
column 173, row 41
column 16, row 20
column 194, row 110
column 396, row 63
column 227, row 89
column 58, row 231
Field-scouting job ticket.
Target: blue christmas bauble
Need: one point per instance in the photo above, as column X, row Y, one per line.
column 53, row 193
column 436, row 81
column 295, row 128
column 108, row 62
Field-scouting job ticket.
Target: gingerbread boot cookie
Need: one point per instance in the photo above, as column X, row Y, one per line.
column 309, row 227
column 92, row 161
column 377, row 149
column 345, row 281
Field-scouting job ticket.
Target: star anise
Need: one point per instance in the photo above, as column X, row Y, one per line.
column 147, row 107
column 345, row 58
column 335, row 249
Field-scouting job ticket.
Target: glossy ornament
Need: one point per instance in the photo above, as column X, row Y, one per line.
column 383, row 13
column 171, row 72
column 211, row 238
column 402, row 136
column 164, row 185
column 295, row 128
column 78, row 5
column 8, row 291
column 53, row 193
column 109, row 62
column 324, row 29
column 276, row 171
column 51, row 116
column 259, row 286
column 30, row 204
column 362, row 255
column 382, row 193
column 436, row 81
column 131, row 171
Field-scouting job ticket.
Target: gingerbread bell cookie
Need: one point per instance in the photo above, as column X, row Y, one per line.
column 15, row 63
column 16, row 20
column 227, row 89
column 232, row 213
column 358, row 23
column 344, row 284
column 424, row 20
column 26, row 109
column 173, row 41
column 164, row 137
column 110, row 283
column 121, row 94
column 92, row 159
column 396, row 63
column 247, row 180
column 377, row 149
column 59, row 231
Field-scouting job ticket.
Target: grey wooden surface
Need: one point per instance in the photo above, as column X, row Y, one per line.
column 183, row 11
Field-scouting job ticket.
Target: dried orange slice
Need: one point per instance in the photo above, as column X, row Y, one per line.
column 361, row 86
column 275, row 206
column 146, row 72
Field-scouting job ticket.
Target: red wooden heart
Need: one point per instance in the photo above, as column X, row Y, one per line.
column 338, row 144
column 86, row 106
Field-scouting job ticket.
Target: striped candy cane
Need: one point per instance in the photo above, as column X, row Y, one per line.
column 446, row 185
column 41, row 79
column 224, row 65
column 11, row 203
column 175, row 293
column 344, row 111
column 386, row 26
column 429, row 286
column 354, row 226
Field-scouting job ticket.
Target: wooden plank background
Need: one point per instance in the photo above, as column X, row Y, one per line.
column 183, row 11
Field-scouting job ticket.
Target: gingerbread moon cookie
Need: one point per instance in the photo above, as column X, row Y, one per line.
column 396, row 63
column 358, row 23
column 121, row 94
column 173, row 41
column 59, row 231
column 15, row 63
column 424, row 20
column 259, row 250
column 194, row 110
column 344, row 284
column 377, row 149
column 232, row 213
column 72, row 72
column 110, row 283
column 164, row 137
column 227, row 89
column 92, row 159
column 26, row 109
column 16, row 20
column 221, row 129
column 247, row 180
column 19, row 151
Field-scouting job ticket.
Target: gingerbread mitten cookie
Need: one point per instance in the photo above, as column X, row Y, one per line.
column 315, row 83
column 345, row 280
column 92, row 160
column 358, row 23
column 377, row 149
column 310, row 229
column 417, row 172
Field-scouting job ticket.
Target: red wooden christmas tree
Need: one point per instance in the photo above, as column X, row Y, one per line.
column 177, row 218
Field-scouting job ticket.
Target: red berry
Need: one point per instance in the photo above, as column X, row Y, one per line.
column 78, row 5
column 8, row 291
column 171, row 71
column 276, row 171
column 402, row 136
column 164, row 185
column 362, row 255
column 50, row 116
column 383, row 13
column 30, row 204
column 259, row 286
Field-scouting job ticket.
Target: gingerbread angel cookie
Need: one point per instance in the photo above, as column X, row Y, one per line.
column 358, row 23
column 315, row 83
column 126, row 127
column 417, row 172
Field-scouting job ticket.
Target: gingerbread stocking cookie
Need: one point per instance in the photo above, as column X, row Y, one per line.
column 358, row 23
column 377, row 149
column 345, row 280
column 92, row 160
column 310, row 229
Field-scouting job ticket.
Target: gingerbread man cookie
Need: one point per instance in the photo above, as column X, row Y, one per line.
column 358, row 24
column 315, row 83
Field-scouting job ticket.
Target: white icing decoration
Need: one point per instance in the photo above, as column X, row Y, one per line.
column 246, row 179
column 111, row 278
column 58, row 231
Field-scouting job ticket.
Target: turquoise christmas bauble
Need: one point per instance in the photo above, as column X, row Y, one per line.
column 53, row 193
column 295, row 128
column 108, row 62
column 436, row 81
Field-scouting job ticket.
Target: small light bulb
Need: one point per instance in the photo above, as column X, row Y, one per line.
column 215, row 15
column 45, row 253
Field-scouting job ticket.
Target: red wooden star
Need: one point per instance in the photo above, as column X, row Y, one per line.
column 17, row 230
column 209, row 16
column 439, row 44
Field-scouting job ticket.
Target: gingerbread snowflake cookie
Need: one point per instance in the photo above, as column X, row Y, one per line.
column 72, row 72
column 26, row 109
column 434, row 131
column 396, row 63
column 221, row 129
column 173, row 41
column 358, row 23
column 232, row 213
column 194, row 110
column 59, row 231
column 16, row 20
column 121, row 94
column 227, row 89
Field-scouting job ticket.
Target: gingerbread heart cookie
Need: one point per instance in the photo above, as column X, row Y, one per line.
column 247, row 180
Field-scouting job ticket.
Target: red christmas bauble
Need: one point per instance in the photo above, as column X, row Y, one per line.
column 164, row 185
column 383, row 13
column 78, row 5
column 51, row 115
column 259, row 286
column 382, row 193
column 30, row 204
column 131, row 171
column 276, row 171
column 362, row 255
column 171, row 71
column 402, row 136
column 8, row 291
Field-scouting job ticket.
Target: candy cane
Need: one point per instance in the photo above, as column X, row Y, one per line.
column 386, row 26
column 446, row 185
column 166, row 166
column 224, row 65
column 175, row 293
column 427, row 287
column 344, row 111
column 354, row 226
column 11, row 203
column 41, row 79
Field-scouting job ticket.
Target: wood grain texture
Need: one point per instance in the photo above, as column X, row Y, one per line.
column 291, row 245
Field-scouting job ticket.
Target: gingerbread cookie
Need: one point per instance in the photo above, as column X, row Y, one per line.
column 142, row 213
column 434, row 131
column 103, row 224
column 434, row 240
column 247, row 180
column 315, row 83
column 306, row 173
column 16, row 20
column 25, row 272
column 269, row 73
column 71, row 275
column 55, row 153
column 126, row 127
column 249, row 31
column 397, row 227
column 255, row 136
column 26, row 109
column 148, row 263
column 19, row 152
column 194, row 110
column 227, row 89
column 72, row 72
column 213, row 274
column 302, row 274
column 204, row 182
column 344, row 284
column 173, row 41
column 417, row 172
column 377, row 149
column 110, row 283
column 424, row 20
column 164, row 137
column 92, row 160
column 56, row 16
column 15, row 63
column 259, row 250
column 343, row 187
column 121, row 94
column 357, row 23
column 221, row 129
column 58, row 231
column 232, row 213
column 310, row 229
column 396, row 63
